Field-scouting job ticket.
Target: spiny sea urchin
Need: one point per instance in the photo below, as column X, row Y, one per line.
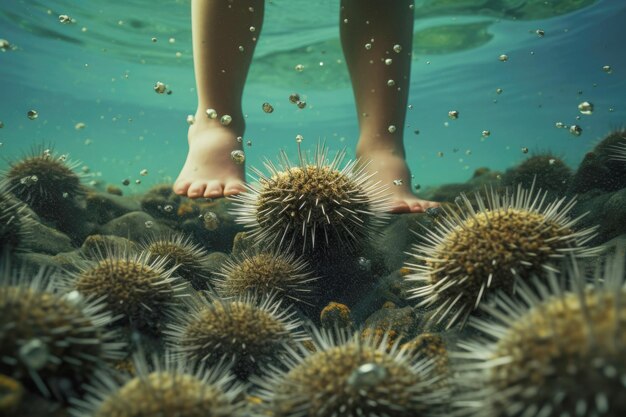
column 165, row 387
column 552, row 351
column 191, row 259
column 619, row 153
column 44, row 180
column 473, row 254
column 312, row 202
column 53, row 338
column 144, row 291
column 265, row 273
column 250, row 330
column 347, row 376
column 12, row 232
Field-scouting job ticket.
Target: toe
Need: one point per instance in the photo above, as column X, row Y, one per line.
column 214, row 189
column 234, row 187
column 196, row 189
column 181, row 187
column 398, row 207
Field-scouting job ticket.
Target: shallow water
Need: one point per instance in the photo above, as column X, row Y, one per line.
column 100, row 71
column 327, row 284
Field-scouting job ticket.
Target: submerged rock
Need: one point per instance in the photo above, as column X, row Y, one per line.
column 135, row 226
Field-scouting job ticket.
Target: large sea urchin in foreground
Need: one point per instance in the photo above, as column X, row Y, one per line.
column 165, row 387
column 350, row 377
column 552, row 352
column 312, row 202
column 472, row 254
column 53, row 338
column 265, row 273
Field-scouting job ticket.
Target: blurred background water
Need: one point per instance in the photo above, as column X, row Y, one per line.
column 91, row 82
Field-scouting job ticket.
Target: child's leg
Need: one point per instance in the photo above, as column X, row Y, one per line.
column 381, row 24
column 224, row 34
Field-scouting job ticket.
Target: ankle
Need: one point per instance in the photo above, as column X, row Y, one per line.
column 382, row 146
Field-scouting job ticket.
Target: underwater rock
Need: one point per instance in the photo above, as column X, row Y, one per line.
column 397, row 237
column 47, row 240
column 242, row 244
column 40, row 259
column 336, row 316
column 69, row 261
column 206, row 220
column 136, row 225
column 600, row 169
column 397, row 323
column 104, row 207
column 100, row 244
column 216, row 261
column 447, row 193
column 546, row 171
column 605, row 210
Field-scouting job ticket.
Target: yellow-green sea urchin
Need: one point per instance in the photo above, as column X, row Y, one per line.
column 191, row 259
column 143, row 291
column 265, row 273
column 312, row 202
column 252, row 331
column 53, row 338
column 349, row 377
column 474, row 254
column 552, row 352
column 166, row 387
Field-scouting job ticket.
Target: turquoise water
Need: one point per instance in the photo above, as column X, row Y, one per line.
column 100, row 70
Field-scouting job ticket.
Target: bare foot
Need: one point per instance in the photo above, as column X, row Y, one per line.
column 209, row 170
column 389, row 168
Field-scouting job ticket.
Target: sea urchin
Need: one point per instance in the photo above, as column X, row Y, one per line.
column 473, row 254
column 350, row 377
column 163, row 387
column 554, row 351
column 54, row 338
column 312, row 202
column 264, row 273
column 250, row 330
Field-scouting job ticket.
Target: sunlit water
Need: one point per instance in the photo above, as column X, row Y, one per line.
column 100, row 70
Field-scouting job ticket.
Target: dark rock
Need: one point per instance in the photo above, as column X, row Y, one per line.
column 600, row 170
column 69, row 261
column 102, row 244
column 135, row 226
column 398, row 322
column 242, row 244
column 104, row 207
column 38, row 259
column 44, row 239
column 545, row 171
column 604, row 210
column 215, row 260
